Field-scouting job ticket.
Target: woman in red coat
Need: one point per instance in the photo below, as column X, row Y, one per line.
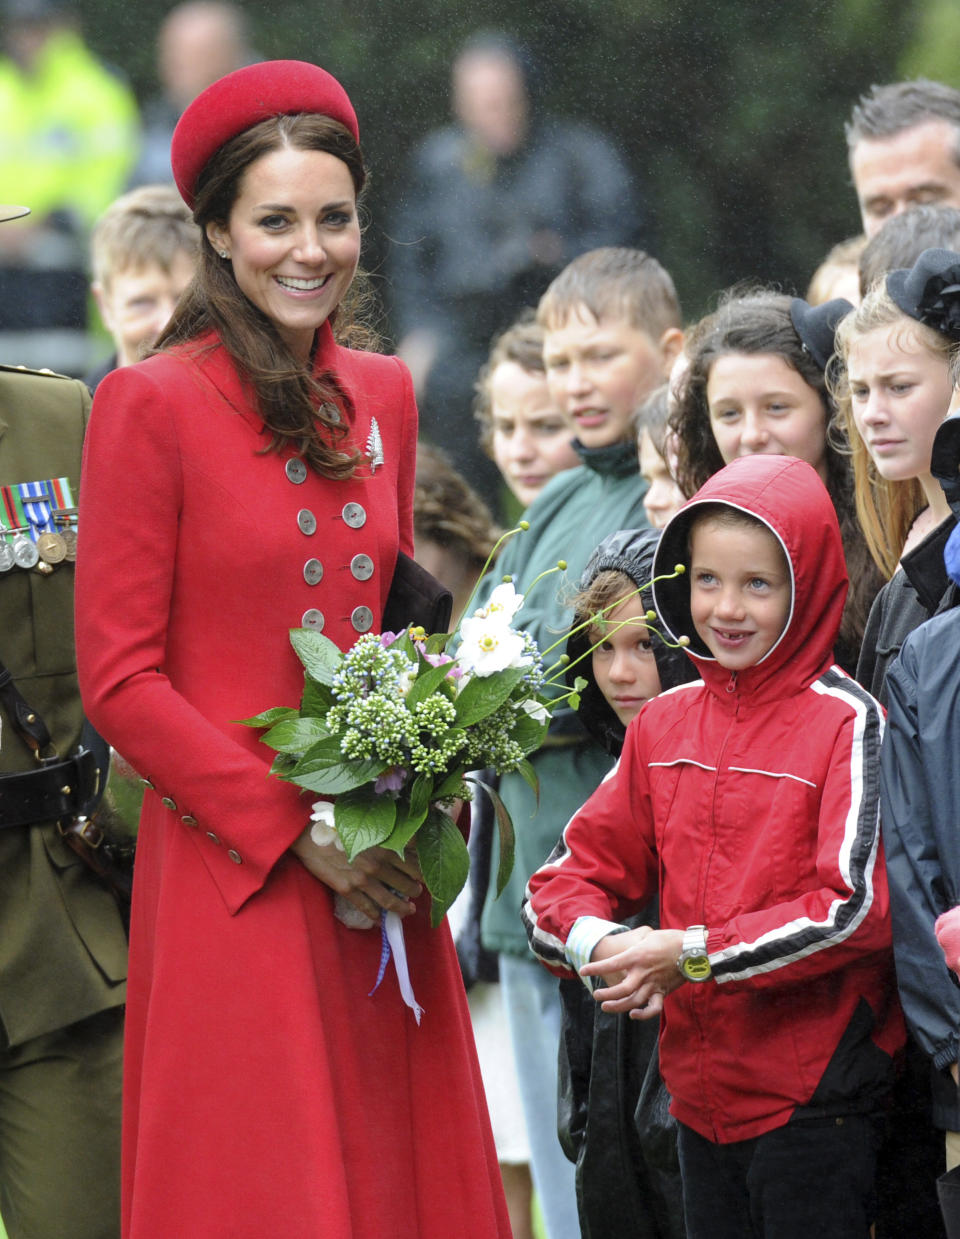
column 252, row 477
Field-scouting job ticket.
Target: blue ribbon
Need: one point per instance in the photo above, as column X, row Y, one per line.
column 384, row 952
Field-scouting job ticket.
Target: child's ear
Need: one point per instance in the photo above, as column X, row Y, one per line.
column 670, row 344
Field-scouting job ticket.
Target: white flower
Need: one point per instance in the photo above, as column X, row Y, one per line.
column 323, row 831
column 503, row 603
column 489, row 644
column 406, row 679
column 536, row 709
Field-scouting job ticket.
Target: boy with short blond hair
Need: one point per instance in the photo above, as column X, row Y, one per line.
column 751, row 798
column 144, row 252
column 612, row 330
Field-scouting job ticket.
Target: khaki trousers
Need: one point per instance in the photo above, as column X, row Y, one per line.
column 60, row 1132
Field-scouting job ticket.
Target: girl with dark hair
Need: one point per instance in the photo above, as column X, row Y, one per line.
column 271, row 1087
column 756, row 384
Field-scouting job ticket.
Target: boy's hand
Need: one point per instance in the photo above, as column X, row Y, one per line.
column 638, row 967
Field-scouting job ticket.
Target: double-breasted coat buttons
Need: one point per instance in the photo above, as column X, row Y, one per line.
column 362, row 619
column 354, row 514
column 295, row 470
column 361, row 566
column 307, row 521
column 313, row 572
column 312, row 619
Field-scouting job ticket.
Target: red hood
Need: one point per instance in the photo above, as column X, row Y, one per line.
column 789, row 497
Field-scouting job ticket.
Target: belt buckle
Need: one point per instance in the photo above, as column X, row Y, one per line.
column 85, row 828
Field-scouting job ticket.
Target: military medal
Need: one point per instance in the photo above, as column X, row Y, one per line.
column 51, row 548
column 69, row 536
column 33, row 510
column 25, row 552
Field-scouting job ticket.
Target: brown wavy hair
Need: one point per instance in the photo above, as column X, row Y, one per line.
column 297, row 407
column 756, row 320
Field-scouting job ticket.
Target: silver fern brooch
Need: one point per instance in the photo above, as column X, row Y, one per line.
column 374, row 445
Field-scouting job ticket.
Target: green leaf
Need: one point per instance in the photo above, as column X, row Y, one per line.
column 407, row 824
column 444, row 861
column 574, row 701
column 295, row 735
column 421, row 793
column 530, row 778
column 281, row 764
column 363, row 819
column 335, row 780
column 507, row 837
column 323, row 768
column 437, row 643
column 484, row 694
column 426, row 683
column 579, row 684
column 450, row 785
column 316, row 700
column 319, row 655
column 528, row 733
column 268, row 717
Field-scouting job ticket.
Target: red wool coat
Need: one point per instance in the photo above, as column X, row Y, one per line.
column 266, row 1093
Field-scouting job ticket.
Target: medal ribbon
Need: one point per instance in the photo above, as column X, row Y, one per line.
column 35, row 503
column 31, row 506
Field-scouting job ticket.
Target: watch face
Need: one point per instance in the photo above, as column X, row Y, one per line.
column 696, row 968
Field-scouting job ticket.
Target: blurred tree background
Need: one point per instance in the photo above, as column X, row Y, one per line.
column 730, row 113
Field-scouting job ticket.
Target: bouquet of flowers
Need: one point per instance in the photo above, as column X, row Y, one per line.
column 393, row 728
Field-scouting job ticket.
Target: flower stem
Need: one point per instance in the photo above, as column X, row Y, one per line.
column 522, row 527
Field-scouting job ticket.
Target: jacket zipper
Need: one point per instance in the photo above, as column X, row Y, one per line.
column 731, row 687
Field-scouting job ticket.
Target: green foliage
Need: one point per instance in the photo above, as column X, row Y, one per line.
column 482, row 697
column 320, row 657
column 322, row 769
column 267, row 718
column 363, row 819
column 444, row 861
column 295, row 735
column 508, row 841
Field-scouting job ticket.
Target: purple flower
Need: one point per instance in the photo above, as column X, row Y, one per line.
column 391, row 780
column 387, row 639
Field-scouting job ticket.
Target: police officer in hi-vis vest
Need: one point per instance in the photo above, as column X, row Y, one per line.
column 62, row 939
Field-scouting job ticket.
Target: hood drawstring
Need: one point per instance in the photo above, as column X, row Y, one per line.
column 732, row 682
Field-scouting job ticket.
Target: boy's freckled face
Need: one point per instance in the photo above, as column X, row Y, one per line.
column 598, row 371
column 624, row 665
column 740, row 591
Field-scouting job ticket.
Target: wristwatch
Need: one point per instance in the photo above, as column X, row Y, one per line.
column 693, row 962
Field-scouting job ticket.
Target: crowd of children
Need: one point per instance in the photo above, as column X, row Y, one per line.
column 752, row 517
column 755, row 516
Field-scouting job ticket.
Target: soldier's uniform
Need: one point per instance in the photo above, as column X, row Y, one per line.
column 62, row 941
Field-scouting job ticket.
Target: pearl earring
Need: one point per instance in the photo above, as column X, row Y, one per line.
column 223, row 254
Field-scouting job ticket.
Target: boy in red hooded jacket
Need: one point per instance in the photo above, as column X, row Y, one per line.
column 752, row 797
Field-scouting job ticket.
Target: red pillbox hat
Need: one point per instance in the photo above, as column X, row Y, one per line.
column 244, row 98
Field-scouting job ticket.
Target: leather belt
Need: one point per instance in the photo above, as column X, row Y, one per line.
column 57, row 790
